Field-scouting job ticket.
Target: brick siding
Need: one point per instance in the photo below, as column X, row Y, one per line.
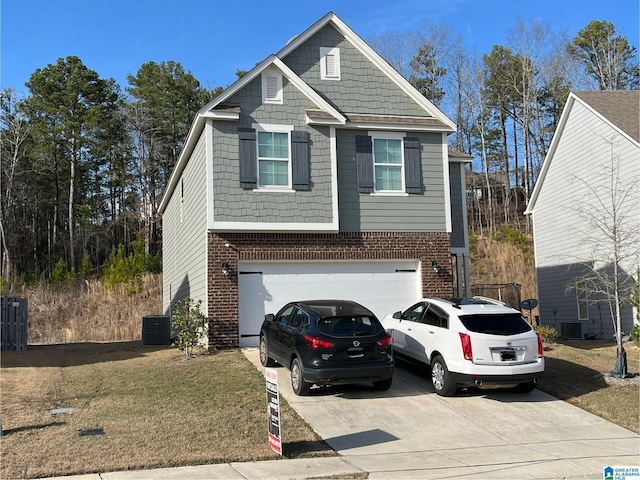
column 223, row 290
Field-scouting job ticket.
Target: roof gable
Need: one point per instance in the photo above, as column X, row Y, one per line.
column 332, row 19
column 618, row 108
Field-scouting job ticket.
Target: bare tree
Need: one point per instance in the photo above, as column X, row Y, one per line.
column 14, row 134
column 611, row 221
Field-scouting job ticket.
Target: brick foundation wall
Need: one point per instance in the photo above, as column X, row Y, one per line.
column 223, row 290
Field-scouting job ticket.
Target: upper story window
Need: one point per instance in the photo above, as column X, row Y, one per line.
column 388, row 163
column 273, row 159
column 271, row 86
column 329, row 63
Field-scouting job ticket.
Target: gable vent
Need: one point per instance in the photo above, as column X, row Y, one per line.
column 331, row 65
column 272, row 87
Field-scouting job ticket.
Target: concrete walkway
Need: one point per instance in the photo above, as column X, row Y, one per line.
column 410, row 432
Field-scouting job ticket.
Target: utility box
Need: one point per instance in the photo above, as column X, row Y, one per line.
column 156, row 330
column 14, row 316
column 571, row 330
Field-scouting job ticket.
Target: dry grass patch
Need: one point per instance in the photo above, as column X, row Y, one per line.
column 83, row 310
column 576, row 372
column 156, row 409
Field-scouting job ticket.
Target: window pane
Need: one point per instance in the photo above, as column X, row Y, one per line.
column 273, row 172
column 388, row 178
column 273, row 145
column 387, row 151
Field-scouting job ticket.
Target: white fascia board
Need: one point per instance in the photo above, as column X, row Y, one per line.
column 273, row 61
column 550, row 153
column 447, row 185
column 229, row 116
column 274, row 227
column 209, row 172
column 333, row 152
column 389, row 126
column 309, row 92
column 374, row 57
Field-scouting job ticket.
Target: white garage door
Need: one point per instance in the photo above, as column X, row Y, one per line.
column 383, row 287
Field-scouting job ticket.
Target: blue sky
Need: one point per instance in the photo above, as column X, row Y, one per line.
column 213, row 39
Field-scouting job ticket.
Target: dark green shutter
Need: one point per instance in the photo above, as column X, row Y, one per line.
column 300, row 160
column 412, row 165
column 248, row 158
column 364, row 160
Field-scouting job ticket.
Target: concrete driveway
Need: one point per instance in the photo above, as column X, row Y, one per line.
column 411, row 432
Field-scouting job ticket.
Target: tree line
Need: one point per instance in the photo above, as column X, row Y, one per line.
column 85, row 164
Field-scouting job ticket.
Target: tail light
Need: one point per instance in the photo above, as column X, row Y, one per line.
column 540, row 346
column 465, row 340
column 317, row 343
column 386, row 341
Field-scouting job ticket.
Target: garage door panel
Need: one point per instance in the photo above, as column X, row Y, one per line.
column 266, row 287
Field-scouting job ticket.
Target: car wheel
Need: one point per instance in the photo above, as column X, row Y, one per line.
column 265, row 360
column 383, row 384
column 525, row 387
column 441, row 378
column 300, row 387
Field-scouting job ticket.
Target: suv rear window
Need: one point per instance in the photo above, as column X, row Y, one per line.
column 349, row 326
column 507, row 324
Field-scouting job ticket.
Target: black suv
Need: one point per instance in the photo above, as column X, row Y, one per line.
column 327, row 342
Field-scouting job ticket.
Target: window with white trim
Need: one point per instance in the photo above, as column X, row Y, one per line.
column 271, row 86
column 329, row 63
column 388, row 162
column 583, row 301
column 274, row 156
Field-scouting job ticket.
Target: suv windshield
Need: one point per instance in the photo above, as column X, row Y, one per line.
column 348, row 326
column 508, row 324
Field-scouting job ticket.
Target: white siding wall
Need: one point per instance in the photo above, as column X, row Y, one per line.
column 584, row 150
column 185, row 234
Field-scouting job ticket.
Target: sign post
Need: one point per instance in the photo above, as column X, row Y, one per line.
column 273, row 410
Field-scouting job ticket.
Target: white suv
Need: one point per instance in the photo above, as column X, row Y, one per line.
column 469, row 342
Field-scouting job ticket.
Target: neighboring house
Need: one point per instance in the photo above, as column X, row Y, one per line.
column 596, row 143
column 321, row 173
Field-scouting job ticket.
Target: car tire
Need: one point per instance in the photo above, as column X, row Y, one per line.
column 265, row 359
column 383, row 384
column 525, row 387
column 300, row 387
column 441, row 379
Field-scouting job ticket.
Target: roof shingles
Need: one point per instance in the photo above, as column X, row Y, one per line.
column 620, row 107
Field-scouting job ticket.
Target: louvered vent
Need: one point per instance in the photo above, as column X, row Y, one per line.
column 571, row 330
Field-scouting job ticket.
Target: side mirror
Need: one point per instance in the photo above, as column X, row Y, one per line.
column 269, row 317
column 397, row 315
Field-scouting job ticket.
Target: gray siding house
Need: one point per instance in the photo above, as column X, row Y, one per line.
column 595, row 151
column 321, row 173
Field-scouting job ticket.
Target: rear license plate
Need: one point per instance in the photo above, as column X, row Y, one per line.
column 507, row 355
column 355, row 352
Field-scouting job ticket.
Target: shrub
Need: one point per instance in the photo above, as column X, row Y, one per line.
column 548, row 334
column 635, row 334
column 191, row 324
column 60, row 273
column 129, row 270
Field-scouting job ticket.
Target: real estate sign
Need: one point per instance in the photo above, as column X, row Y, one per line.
column 273, row 410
